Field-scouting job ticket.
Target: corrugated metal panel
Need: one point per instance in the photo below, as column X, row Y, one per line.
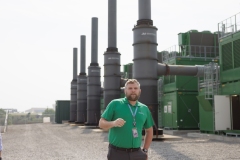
column 227, row 56
column 236, row 52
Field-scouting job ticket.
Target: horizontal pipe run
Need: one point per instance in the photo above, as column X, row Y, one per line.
column 182, row 70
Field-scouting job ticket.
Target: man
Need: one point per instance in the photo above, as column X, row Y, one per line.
column 125, row 118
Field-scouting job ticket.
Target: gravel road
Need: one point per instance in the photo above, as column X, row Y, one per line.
column 65, row 142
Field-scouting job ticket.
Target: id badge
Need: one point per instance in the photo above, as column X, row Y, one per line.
column 135, row 133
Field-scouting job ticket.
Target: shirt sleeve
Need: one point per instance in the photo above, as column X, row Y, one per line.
column 109, row 111
column 149, row 122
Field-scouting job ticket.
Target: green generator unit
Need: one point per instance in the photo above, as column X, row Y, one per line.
column 180, row 111
column 193, row 43
column 230, row 58
column 220, row 114
column 62, row 111
column 127, row 70
column 183, row 83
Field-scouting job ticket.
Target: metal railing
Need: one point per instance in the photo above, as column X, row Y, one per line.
column 229, row 26
column 190, row 51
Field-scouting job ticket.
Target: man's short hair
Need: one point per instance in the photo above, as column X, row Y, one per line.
column 132, row 81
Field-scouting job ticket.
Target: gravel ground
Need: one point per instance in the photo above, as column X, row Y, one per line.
column 65, row 142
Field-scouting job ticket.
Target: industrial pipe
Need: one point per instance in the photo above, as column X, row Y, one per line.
column 73, row 101
column 112, row 76
column 82, row 85
column 93, row 80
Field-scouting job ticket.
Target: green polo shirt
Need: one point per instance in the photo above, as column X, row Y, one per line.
column 123, row 136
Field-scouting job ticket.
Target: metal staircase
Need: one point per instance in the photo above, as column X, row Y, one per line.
column 211, row 80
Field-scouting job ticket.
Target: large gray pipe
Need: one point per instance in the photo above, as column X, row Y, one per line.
column 112, row 23
column 145, row 57
column 73, row 102
column 144, row 9
column 112, row 76
column 93, row 81
column 82, row 85
column 164, row 69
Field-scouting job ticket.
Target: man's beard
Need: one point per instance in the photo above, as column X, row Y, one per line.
column 133, row 97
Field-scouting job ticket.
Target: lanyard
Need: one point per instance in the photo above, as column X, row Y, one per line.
column 134, row 115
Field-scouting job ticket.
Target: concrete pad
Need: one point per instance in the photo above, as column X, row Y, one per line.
column 179, row 132
column 214, row 137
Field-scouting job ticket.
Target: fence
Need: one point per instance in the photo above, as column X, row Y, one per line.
column 25, row 118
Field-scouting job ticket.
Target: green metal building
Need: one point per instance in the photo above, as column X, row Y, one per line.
column 178, row 103
column 62, row 110
column 220, row 109
column 127, row 70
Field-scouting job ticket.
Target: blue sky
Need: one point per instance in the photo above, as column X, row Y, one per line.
column 37, row 38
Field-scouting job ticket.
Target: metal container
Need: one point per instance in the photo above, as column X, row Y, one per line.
column 62, row 111
column 180, row 110
column 127, row 70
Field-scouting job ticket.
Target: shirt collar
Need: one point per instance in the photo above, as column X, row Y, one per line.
column 126, row 101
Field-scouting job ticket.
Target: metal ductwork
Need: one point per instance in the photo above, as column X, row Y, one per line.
column 145, row 57
column 73, row 102
column 93, row 80
column 82, row 85
column 181, row 70
column 112, row 76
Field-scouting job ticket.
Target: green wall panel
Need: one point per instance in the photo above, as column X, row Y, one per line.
column 180, row 110
column 230, row 88
column 205, row 113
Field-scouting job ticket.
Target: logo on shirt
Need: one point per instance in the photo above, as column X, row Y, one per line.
column 141, row 113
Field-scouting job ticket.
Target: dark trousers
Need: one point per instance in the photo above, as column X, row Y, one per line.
column 114, row 154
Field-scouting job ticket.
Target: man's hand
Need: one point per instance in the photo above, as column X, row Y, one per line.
column 119, row 122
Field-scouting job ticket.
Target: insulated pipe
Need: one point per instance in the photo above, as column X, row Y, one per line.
column 112, row 23
column 82, row 85
column 145, row 58
column 164, row 69
column 93, row 81
column 73, row 102
column 94, row 44
column 112, row 76
column 83, row 55
column 144, row 9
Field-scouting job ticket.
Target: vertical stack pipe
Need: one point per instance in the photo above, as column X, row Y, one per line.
column 112, row 77
column 145, row 57
column 93, row 80
column 82, row 84
column 73, row 101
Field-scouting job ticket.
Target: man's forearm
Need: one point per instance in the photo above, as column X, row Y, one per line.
column 148, row 138
column 106, row 124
